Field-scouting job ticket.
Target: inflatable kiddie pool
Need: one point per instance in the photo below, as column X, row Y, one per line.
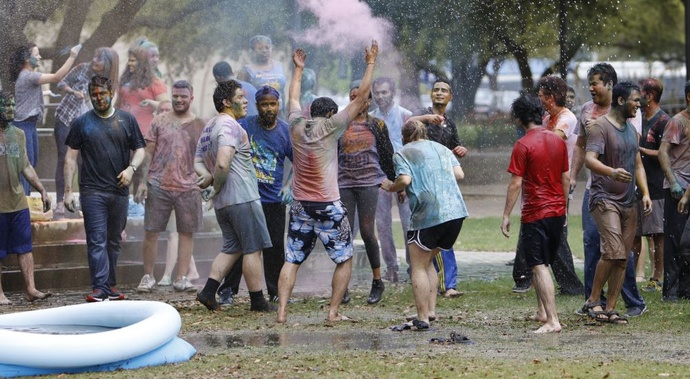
column 128, row 335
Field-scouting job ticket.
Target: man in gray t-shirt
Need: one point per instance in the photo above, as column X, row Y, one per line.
column 613, row 157
column 223, row 162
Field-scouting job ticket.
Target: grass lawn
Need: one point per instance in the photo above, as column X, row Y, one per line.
column 237, row 343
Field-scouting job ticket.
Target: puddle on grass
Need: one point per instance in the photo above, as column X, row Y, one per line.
column 305, row 340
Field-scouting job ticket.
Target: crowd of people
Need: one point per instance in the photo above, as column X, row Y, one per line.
column 130, row 135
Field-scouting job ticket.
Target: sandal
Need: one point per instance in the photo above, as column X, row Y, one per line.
column 601, row 315
column 615, row 318
column 420, row 325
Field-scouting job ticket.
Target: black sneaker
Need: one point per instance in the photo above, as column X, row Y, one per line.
column 115, row 294
column 346, row 297
column 97, row 296
column 522, row 288
column 377, row 288
column 210, row 303
column 262, row 306
column 226, row 296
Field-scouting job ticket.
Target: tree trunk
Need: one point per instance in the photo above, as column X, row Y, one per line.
column 14, row 15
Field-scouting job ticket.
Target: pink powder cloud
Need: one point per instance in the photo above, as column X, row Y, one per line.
column 346, row 26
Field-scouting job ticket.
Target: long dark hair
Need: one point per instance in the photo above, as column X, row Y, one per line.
column 143, row 74
column 111, row 66
column 18, row 59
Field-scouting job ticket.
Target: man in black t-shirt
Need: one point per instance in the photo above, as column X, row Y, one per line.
column 105, row 137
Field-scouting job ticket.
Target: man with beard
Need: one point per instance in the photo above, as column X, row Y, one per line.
column 653, row 126
column 171, row 185
column 269, row 138
column 613, row 157
column 601, row 77
column 442, row 129
column 15, row 217
column 105, row 137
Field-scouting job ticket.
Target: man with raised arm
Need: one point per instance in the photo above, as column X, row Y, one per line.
column 317, row 210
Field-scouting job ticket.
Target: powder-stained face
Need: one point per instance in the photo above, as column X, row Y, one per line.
column 570, row 100
column 238, row 104
column 101, row 99
column 35, row 57
column 132, row 63
column 631, row 104
column 262, row 51
column 98, row 64
column 383, row 96
column 154, row 56
column 181, row 100
column 7, row 109
column 268, row 107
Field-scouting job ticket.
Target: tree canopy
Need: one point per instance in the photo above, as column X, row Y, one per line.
column 453, row 39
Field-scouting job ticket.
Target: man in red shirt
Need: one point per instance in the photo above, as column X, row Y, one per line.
column 539, row 165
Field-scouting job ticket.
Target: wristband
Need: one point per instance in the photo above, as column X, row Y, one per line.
column 134, row 168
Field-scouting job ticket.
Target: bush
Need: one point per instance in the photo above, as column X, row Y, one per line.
column 480, row 133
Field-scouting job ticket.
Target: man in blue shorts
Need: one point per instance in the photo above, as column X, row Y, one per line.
column 317, row 209
column 15, row 218
column 539, row 168
column 223, row 161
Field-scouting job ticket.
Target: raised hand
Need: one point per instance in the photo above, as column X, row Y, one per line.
column 298, row 58
column 372, row 52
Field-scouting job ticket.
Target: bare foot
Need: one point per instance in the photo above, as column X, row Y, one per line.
column 37, row 295
column 432, row 317
column 452, row 293
column 193, row 275
column 538, row 318
column 281, row 318
column 549, row 328
column 4, row 300
column 338, row 317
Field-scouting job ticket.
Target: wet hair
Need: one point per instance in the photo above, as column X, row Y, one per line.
column 18, row 59
column 606, row 73
column 653, row 86
column 224, row 91
column 413, row 130
column 554, row 85
column 183, row 84
column 100, row 81
column 528, row 109
column 259, row 38
column 623, row 89
column 322, row 107
column 571, row 89
column 384, row 79
column 222, row 69
column 143, row 75
column 308, row 79
column 442, row 80
column 111, row 65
